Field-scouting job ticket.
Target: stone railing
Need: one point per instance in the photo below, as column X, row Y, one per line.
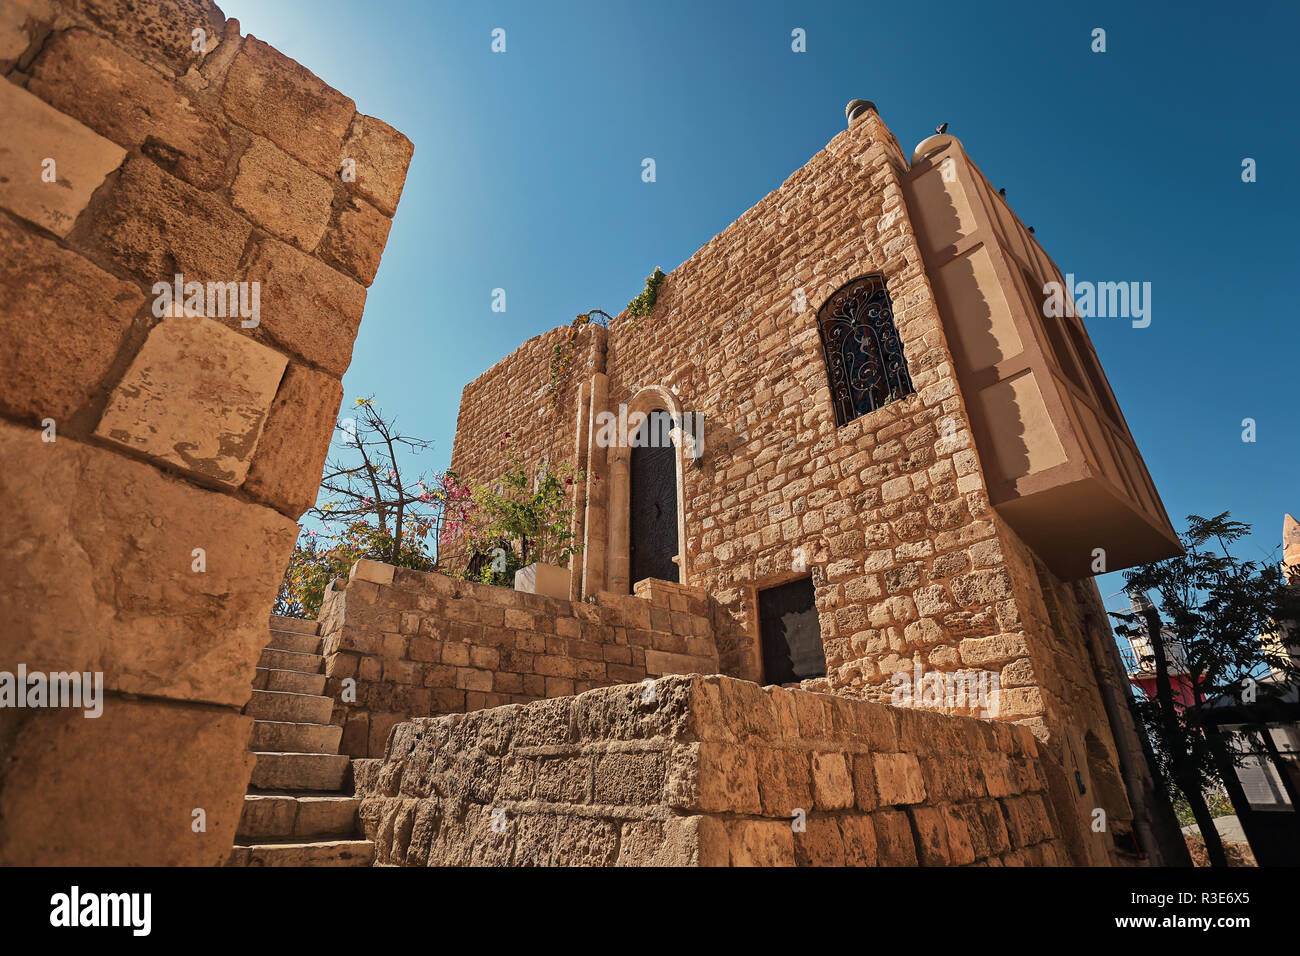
column 708, row 771
column 400, row 644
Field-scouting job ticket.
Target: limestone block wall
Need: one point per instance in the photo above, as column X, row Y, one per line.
column 158, row 451
column 413, row 644
column 520, row 382
column 1060, row 628
column 708, row 771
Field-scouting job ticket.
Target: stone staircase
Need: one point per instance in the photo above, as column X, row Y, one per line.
column 296, row 812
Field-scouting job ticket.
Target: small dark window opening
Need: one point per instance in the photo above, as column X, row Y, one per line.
column 791, row 633
column 864, row 356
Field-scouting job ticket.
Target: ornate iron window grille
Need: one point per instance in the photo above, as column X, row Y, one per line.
column 864, row 357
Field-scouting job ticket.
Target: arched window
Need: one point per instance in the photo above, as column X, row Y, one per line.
column 864, row 357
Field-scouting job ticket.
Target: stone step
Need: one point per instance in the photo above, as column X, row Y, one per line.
column 292, row 682
column 292, row 661
column 323, row 853
column 291, row 641
column 282, row 736
column 275, row 817
column 294, row 624
column 294, row 708
column 299, row 771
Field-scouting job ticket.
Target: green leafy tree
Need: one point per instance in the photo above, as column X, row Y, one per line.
column 521, row 518
column 1216, row 606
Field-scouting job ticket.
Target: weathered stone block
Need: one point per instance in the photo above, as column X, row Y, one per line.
column 267, row 816
column 820, row 843
column 21, row 22
column 832, row 783
column 583, row 841
column 564, row 780
column 727, row 779
column 83, row 794
column 745, row 708
column 290, row 456
column 859, row 839
column 671, row 842
column 931, row 836
column 960, row 848
column 355, row 240
column 155, row 225
column 195, row 397
column 894, row 843
column 376, row 572
column 898, row 779
column 631, row 778
column 380, row 156
column 280, row 99
column 64, row 321
column 761, row 843
column 281, row 196
column 307, row 307
column 981, row 651
column 35, row 134
column 93, row 80
column 784, row 781
column 1019, row 702
column 159, row 31
column 1027, row 819
column 864, row 782
column 120, row 564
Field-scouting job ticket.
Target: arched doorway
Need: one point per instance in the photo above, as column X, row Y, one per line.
column 652, row 501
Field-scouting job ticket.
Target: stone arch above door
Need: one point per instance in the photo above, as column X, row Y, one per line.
column 618, row 548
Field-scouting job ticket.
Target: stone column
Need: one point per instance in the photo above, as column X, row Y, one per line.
column 598, row 484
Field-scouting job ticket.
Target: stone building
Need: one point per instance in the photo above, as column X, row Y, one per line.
column 893, row 470
column 899, row 472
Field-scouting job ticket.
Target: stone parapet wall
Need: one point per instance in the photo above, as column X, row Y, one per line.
column 158, row 453
column 708, row 771
column 413, row 644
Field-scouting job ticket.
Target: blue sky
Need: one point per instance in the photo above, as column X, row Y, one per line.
column 527, row 169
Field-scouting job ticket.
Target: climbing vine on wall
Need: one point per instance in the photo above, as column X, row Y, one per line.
column 643, row 304
column 562, row 351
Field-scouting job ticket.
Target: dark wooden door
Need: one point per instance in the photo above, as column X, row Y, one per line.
column 652, row 501
column 791, row 633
